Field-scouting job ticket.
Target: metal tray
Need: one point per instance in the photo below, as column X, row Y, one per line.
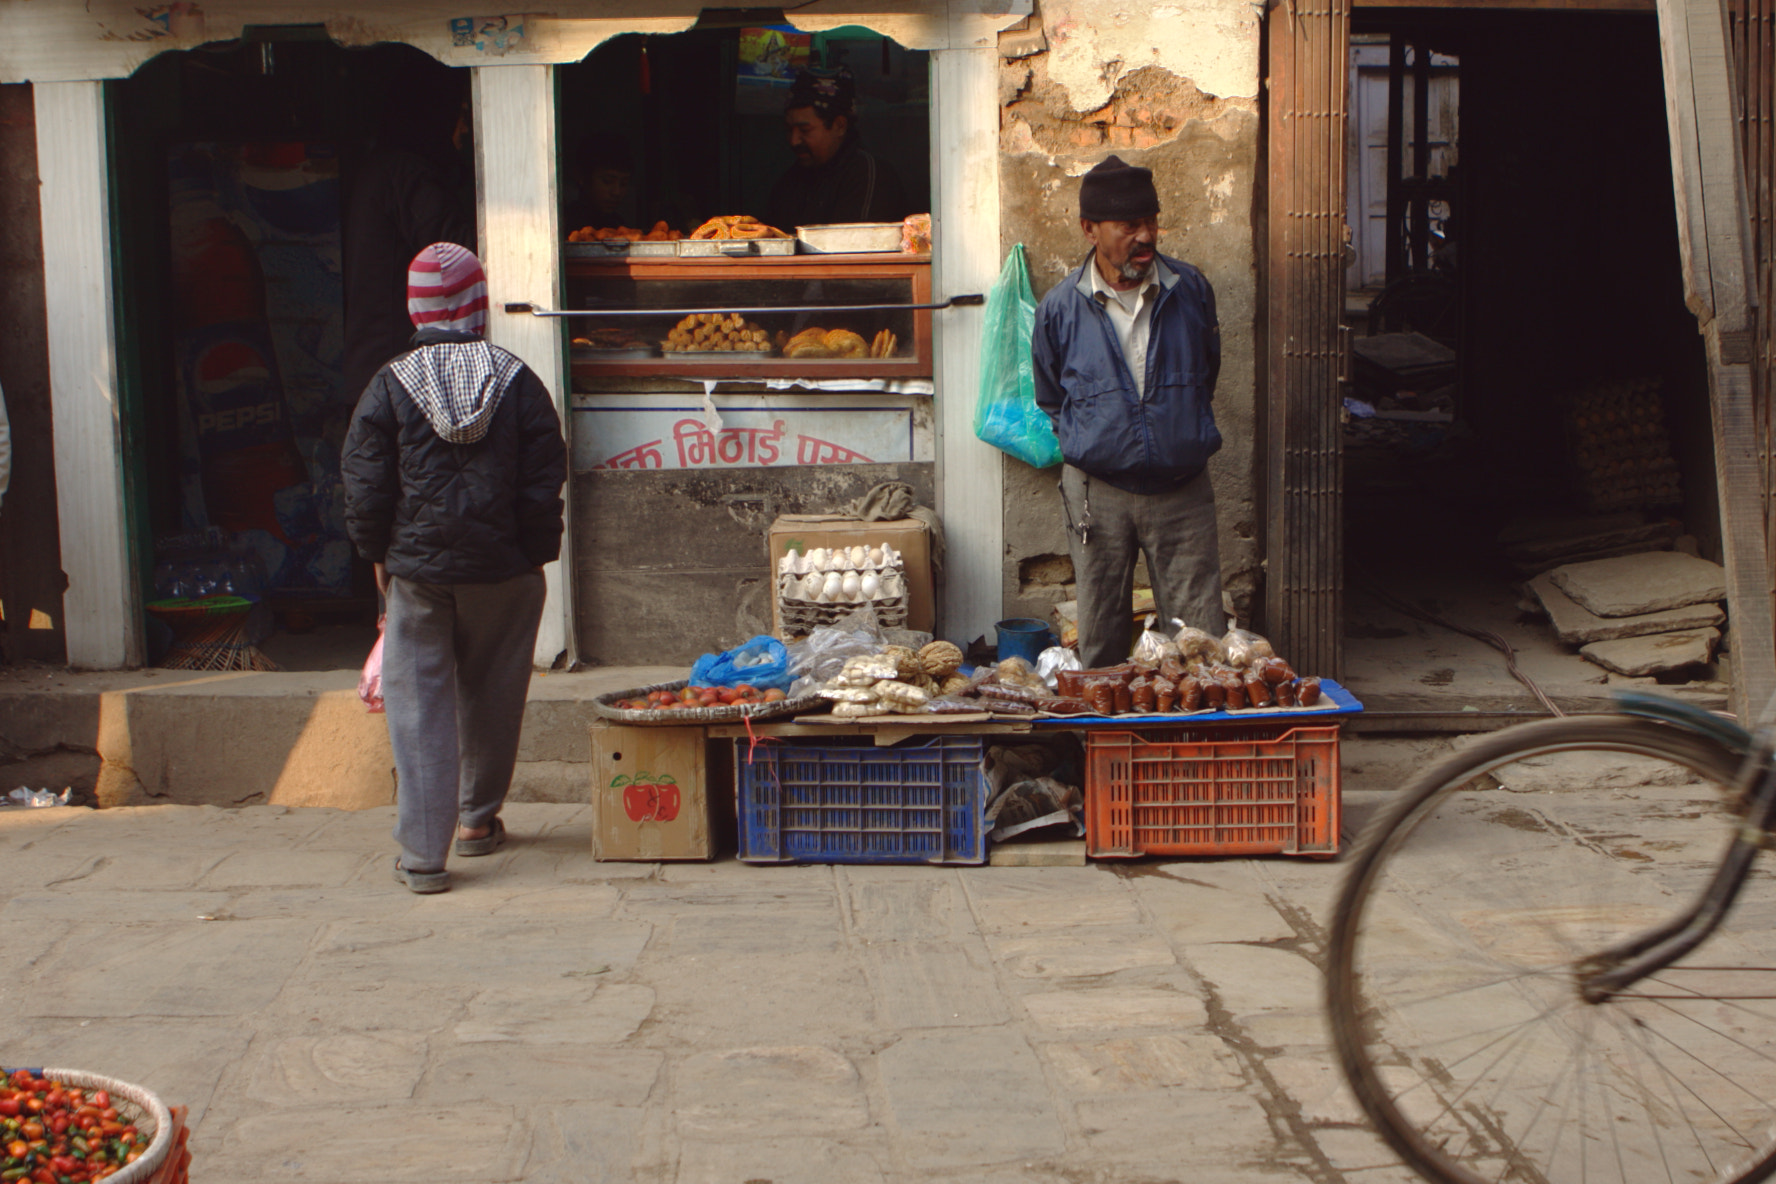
column 611, row 248
column 642, row 353
column 849, row 238
column 734, row 247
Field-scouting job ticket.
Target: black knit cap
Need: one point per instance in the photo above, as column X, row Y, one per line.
column 1117, row 192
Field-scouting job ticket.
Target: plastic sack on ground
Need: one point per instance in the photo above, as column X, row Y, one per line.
column 762, row 662
column 1006, row 415
column 370, row 680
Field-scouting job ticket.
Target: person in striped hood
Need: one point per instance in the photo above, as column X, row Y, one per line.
column 453, row 468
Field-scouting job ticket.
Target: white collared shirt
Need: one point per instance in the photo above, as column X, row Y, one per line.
column 1131, row 315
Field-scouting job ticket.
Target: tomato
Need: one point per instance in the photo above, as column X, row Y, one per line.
column 18, row 1149
column 775, row 695
column 59, row 1124
column 32, row 1129
column 746, row 688
column 9, row 1108
column 102, row 1099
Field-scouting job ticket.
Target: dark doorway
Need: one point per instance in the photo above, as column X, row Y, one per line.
column 235, row 170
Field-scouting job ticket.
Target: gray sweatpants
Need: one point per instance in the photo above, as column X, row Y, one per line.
column 456, row 661
column 1106, row 527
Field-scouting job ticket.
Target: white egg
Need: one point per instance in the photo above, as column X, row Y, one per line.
column 870, row 585
column 859, row 555
column 829, row 590
column 811, row 584
column 816, row 559
column 851, row 585
column 875, row 557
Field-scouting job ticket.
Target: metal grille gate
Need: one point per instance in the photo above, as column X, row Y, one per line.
column 1304, row 585
column 1752, row 28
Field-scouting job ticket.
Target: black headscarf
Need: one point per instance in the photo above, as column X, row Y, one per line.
column 831, row 95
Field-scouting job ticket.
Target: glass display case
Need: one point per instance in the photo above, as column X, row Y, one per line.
column 791, row 316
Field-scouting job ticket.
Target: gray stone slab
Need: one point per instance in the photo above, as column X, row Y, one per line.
column 1317, row 1087
column 557, row 1013
column 587, row 1145
column 960, row 1098
column 1113, row 1009
column 180, row 1060
column 779, row 1090
column 1086, row 954
column 1258, row 978
column 934, row 985
column 193, row 969
column 1630, row 585
column 1227, row 1128
column 781, row 1161
column 1640, row 656
column 1576, row 625
column 617, row 1076
column 1194, row 913
column 1015, row 900
column 483, row 1141
column 419, row 951
column 300, row 868
column 763, row 998
column 355, row 1068
column 1197, row 1061
column 905, row 904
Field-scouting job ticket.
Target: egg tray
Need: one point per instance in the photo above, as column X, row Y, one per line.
column 605, row 705
column 800, row 617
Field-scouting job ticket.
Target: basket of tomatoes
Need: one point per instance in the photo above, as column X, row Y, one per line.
column 681, row 703
column 63, row 1126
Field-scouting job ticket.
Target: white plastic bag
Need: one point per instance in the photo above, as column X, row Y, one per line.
column 1053, row 660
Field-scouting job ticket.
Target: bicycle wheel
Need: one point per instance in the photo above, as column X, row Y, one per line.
column 1451, row 974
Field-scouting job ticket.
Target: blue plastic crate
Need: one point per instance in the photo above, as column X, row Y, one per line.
column 911, row 803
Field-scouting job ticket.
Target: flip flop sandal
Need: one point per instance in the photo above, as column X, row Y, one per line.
column 424, row 883
column 487, row 844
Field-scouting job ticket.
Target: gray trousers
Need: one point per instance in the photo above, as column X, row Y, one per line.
column 1107, row 527
column 456, row 661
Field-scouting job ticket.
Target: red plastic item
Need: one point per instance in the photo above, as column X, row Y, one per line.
column 1230, row 790
column 176, row 1167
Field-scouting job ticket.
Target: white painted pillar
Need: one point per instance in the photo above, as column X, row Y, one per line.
column 102, row 605
column 520, row 243
column 965, row 227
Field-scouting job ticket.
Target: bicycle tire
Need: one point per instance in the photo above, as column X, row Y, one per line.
column 1454, row 1012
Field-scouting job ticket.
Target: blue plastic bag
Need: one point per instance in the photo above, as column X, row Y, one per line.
column 1005, row 414
column 762, row 662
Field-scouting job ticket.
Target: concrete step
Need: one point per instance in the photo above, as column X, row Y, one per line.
column 232, row 739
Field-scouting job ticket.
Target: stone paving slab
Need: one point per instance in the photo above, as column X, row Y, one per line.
column 552, row 1019
column 1576, row 625
column 1650, row 582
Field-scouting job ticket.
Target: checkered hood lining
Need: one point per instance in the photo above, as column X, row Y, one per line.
column 459, row 384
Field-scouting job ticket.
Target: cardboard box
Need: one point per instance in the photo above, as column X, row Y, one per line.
column 650, row 793
column 906, row 535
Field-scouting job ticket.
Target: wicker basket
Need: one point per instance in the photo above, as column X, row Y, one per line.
column 139, row 1106
column 732, row 713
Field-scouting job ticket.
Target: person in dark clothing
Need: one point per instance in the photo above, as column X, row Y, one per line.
column 453, row 469
column 400, row 200
column 601, row 170
column 834, row 179
column 1125, row 354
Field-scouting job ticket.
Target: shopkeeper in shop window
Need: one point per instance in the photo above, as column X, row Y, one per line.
column 600, row 170
column 835, row 179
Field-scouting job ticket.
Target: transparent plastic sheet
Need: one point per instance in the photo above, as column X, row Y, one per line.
column 819, row 657
column 1152, row 648
column 1053, row 660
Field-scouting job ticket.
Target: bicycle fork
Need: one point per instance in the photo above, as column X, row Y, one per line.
column 1609, row 972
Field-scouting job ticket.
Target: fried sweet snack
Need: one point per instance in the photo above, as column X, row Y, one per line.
column 661, row 233
column 815, row 342
column 707, row 332
column 736, row 226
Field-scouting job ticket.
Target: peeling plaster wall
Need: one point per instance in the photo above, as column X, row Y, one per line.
column 1174, row 88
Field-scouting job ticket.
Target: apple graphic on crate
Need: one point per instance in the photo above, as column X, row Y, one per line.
column 648, row 798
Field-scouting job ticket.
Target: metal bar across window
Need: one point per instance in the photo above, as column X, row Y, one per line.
column 533, row 310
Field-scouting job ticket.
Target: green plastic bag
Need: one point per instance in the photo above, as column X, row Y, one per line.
column 1006, row 415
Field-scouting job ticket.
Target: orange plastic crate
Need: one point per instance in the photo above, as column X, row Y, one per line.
column 1252, row 789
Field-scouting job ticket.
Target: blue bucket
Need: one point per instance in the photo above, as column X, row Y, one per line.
column 1023, row 637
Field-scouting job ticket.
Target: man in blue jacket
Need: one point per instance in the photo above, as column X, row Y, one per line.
column 1126, row 352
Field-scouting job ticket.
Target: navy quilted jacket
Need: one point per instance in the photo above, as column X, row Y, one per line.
column 441, row 513
column 1140, row 443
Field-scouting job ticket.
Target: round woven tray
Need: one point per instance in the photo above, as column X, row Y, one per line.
column 135, row 1104
column 605, row 705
